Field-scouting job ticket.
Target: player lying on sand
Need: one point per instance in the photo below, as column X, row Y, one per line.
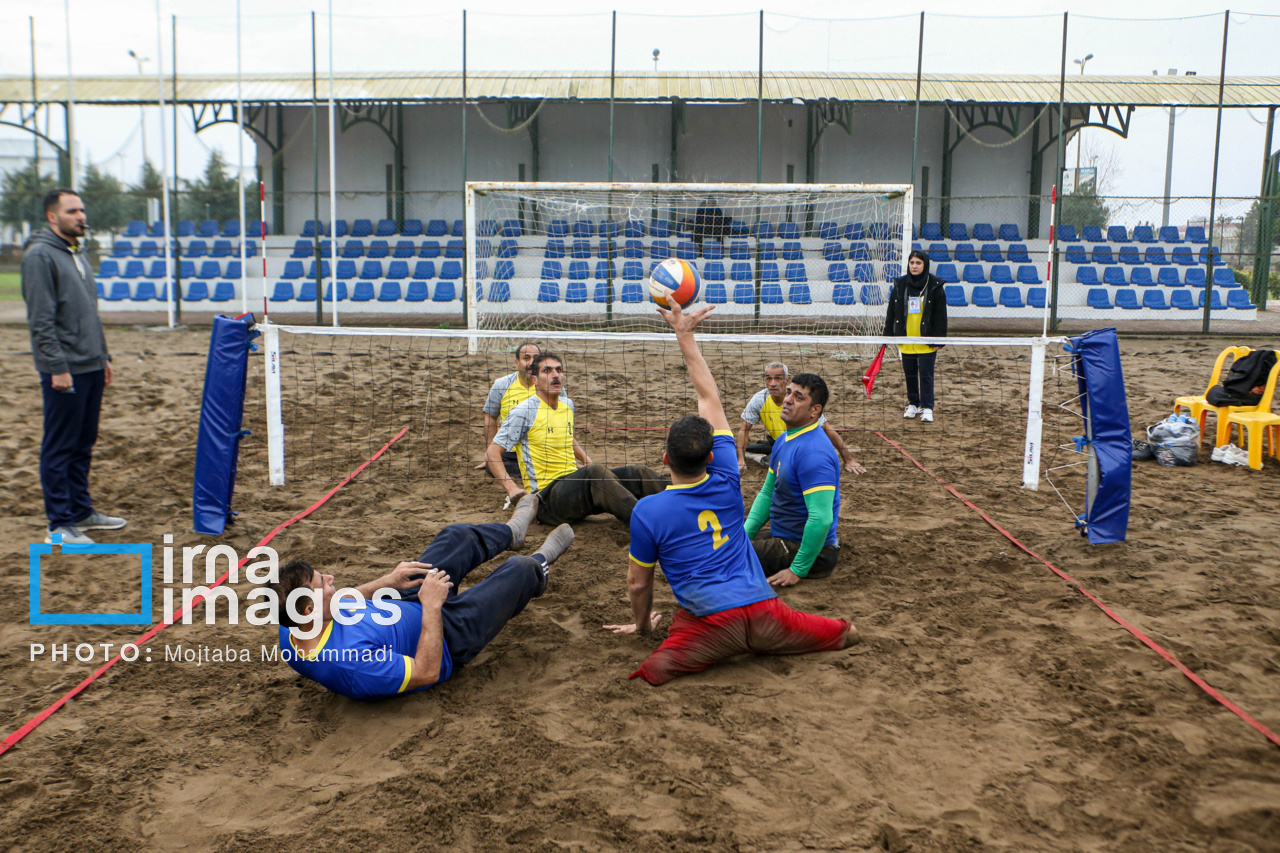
column 695, row 529
column 439, row 629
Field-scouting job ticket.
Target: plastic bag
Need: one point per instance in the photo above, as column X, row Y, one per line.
column 1181, row 456
column 1175, row 441
column 1142, row 450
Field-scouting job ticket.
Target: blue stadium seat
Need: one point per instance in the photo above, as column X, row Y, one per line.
column 828, row 231
column 1129, row 255
column 1204, row 256
column 417, row 291
column 1087, row 275
column 770, row 293
column 965, row 254
column 1154, row 298
column 957, row 231
column 499, row 291
column 609, row 229
column 186, row 228
column 789, row 231
column 412, row 228
column 859, row 252
column 955, row 296
column 122, row 249
column 1076, row 255
column 769, row 272
column 307, row 292
column 1127, row 299
column 231, row 228
column 429, row 249
column 1098, row 298
column 1183, row 300
column 833, row 251
column 584, row 228
column 1093, row 234
column 1195, row 277
column 857, row 231
column 1224, row 277
column 455, row 249
column 947, row 272
column 798, row 294
column 378, row 249
column 890, row 252
column 713, row 271
column 576, row 290
column 436, row 228
column 311, row 228
column 108, row 269
column 339, row 229
column 447, row 291
column 511, row 228
column 842, row 294
column 739, row 250
column 1113, row 276
column 607, row 249
column 974, row 274
column 389, row 291
column 1154, row 255
column 892, row 271
column 352, row 249
column 146, row 292
column 1143, row 234
column 740, row 271
column 633, row 228
column 1067, row 233
column 398, row 270
column 508, row 249
column 362, row 292
column 208, row 228
column 557, row 228
column 983, row 297
column 991, row 253
column 504, row 271
column 660, row 250
column 212, row 269
column 133, row 269
column 301, row 249
column 1169, row 234
column 1183, row 257
column 551, row 269
column 1001, row 274
column 712, row 250
column 1168, row 276
column 385, row 228
column 1036, row 297
column 931, row 231
column 768, row 252
column 602, row 292
column 1010, row 233
column 983, row 233
column 1028, row 274
column 135, row 228
column 1238, row 297
column 1117, row 234
column 686, row 250
column 197, row 291
column 1102, row 256
column 578, row 271
column 362, row 228
column 346, row 269
column 342, row 292
column 871, row 294
column 451, row 269
column 881, row 231
column 1017, row 254
column 371, row 269
column 939, row 253
column 292, row 270
column 791, row 251
column 1141, row 277
column 633, row 249
column 1215, row 305
column 796, row 273
column 716, row 294
column 147, row 249
column 744, row 293
column 1195, row 234
column 1011, row 297
column 404, row 249
column 119, row 290
column 838, row 272
column 632, row 271
column 223, row 291
column 632, row 292
column 157, row 269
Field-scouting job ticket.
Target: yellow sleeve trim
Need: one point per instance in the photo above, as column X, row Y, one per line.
column 408, row 672
column 642, row 562
column 818, row 489
column 727, row 432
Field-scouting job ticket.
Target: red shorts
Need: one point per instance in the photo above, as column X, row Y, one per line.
column 764, row 628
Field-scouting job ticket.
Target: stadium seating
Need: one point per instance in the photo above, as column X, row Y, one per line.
column 660, row 250
column 1102, row 256
column 1036, row 297
column 212, row 269
column 352, row 249
column 864, row 272
column 447, row 291
column 404, row 249
column 1215, row 305
column 842, row 294
column 796, row 273
column 1141, row 277
column 338, row 229
column 991, row 253
column 1224, row 277
column 301, row 249
column 931, row 231
column 965, row 254
column 412, row 228
column 147, row 249
column 186, row 228
column 632, row 271
column 770, row 293
column 342, row 292
column 938, row 253
column 1127, row 299
column 1113, row 276
column 1129, row 255
column 451, row 269
column 1195, row 277
column 1195, row 234
column 417, row 291
column 892, row 271
column 1017, row 254
column 744, row 293
column 857, row 231
column 551, row 269
column 283, row 292
column 436, row 228
column 1117, row 234
column 122, row 249
column 1067, row 233
column 455, row 249
column 1010, row 233
column 1154, row 298
column 957, row 231
column 1143, row 234
column 292, row 270
column 1011, row 297
column 1182, row 256
column 947, row 273
column 1169, row 234
column 431, row 249
column 197, row 291
column 769, row 272
column 208, row 229
column 1182, row 299
column 716, row 293
column 1087, row 275
column 872, row 295
column 1098, row 298
column 1001, row 274
column 119, row 290
column 231, row 228
column 398, row 270
column 1154, row 255
column 378, row 249
column 1168, row 276
column 662, row 229
column 389, row 291
column 861, row 252
column 362, row 228
column 578, row 270
column 135, row 228
column 838, row 272
column 1203, row 257
column 146, row 292
column 789, row 231
column 371, row 270
column 983, row 297
column 108, row 269
column 1076, row 255
column 983, row 233
column 385, row 228
column 740, row 271
column 1028, row 274
column 833, row 251
column 799, row 294
column 974, row 274
column 133, row 269
column 955, row 296
column 576, row 290
column 633, row 249
column 1093, row 234
column 1238, row 297
column 577, row 249
column 307, row 291
column 223, row 291
column 602, row 293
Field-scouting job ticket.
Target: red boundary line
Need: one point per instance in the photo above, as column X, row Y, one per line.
column 12, row 740
column 1147, row 641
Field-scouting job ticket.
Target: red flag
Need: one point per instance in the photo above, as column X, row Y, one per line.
column 869, row 378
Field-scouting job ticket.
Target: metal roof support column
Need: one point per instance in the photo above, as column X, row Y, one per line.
column 1213, row 190
column 1057, row 179
column 1037, row 177
column 759, row 112
column 613, row 70
column 398, row 158
column 1266, row 216
column 915, row 133
column 677, row 115
column 277, row 175
column 944, row 215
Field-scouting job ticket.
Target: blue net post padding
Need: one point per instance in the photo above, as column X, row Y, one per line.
column 221, row 415
column 1096, row 363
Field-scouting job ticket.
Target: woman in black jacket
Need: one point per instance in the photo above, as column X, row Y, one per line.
column 917, row 308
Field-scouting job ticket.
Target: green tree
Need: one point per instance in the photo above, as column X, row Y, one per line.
column 104, row 200
column 22, row 196
column 213, row 195
column 150, row 186
column 1084, row 208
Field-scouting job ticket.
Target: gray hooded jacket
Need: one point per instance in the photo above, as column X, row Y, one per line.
column 62, row 307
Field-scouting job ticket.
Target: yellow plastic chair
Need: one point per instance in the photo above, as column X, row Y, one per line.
column 1199, row 406
column 1258, row 423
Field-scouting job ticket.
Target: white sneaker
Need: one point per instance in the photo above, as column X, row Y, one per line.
column 1219, row 452
column 911, row 412
column 1236, row 456
column 926, row 416
column 758, row 458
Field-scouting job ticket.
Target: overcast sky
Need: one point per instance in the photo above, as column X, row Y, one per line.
column 818, row 35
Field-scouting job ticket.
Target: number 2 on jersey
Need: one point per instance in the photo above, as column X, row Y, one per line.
column 708, row 519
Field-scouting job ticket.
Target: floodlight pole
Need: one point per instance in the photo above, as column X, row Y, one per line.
column 760, row 113
column 71, row 104
column 1057, row 181
column 1213, row 190
column 915, row 134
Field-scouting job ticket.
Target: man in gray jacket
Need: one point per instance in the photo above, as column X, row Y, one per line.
column 71, row 355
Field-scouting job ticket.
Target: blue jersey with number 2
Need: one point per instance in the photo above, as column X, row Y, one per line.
column 695, row 531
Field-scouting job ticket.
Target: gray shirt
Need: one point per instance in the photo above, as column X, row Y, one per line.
column 62, row 307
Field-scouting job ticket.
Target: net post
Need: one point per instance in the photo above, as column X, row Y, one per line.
column 1035, row 419
column 469, row 276
column 275, row 421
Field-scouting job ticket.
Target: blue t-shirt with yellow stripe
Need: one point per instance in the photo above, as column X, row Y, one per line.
column 803, row 462
column 696, row 532
column 366, row 661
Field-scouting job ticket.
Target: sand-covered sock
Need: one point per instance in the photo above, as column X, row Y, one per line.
column 558, row 541
column 526, row 512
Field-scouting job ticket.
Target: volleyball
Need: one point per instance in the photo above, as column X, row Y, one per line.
column 674, row 279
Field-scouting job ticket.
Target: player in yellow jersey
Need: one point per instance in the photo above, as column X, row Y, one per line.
column 540, row 430
column 766, row 408
column 507, row 393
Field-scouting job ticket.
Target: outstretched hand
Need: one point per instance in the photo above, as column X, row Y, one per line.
column 654, row 619
column 682, row 322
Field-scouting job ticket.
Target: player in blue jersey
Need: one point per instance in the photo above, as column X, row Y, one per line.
column 418, row 635
column 695, row 530
column 801, row 494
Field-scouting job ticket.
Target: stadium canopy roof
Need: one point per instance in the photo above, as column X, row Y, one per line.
column 640, row 86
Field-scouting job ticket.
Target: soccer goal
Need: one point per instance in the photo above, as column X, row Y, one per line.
column 795, row 258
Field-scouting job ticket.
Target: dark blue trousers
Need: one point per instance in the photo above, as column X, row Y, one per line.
column 918, row 370
column 474, row 617
column 70, row 430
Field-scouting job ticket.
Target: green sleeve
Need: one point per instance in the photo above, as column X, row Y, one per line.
column 760, row 508
column 821, row 506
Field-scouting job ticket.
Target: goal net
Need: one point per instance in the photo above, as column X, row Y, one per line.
column 334, row 396
column 794, row 258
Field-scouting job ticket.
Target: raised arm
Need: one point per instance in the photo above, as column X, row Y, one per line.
column 704, row 384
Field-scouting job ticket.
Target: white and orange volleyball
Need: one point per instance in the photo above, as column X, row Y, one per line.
column 674, row 280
